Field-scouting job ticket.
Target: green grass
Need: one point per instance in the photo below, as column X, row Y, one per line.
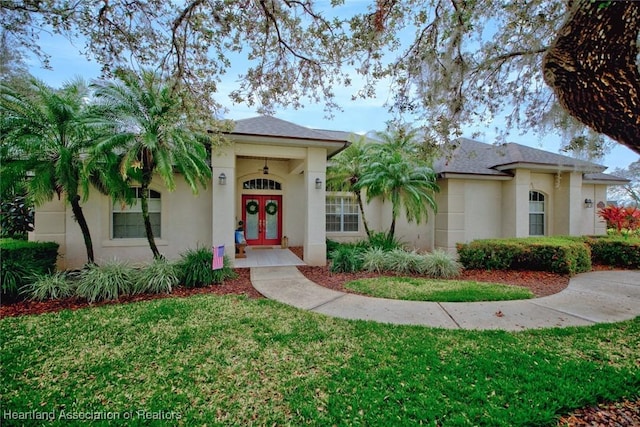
column 232, row 361
column 412, row 289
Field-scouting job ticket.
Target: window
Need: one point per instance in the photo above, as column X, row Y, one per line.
column 536, row 213
column 261, row 184
column 128, row 222
column 342, row 214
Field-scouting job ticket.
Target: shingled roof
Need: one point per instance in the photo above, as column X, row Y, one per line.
column 273, row 127
column 477, row 158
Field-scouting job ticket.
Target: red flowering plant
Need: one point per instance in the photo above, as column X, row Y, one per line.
column 622, row 219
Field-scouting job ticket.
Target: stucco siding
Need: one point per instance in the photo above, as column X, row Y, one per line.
column 483, row 216
column 185, row 223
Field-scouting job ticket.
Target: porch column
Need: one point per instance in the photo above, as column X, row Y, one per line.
column 515, row 205
column 314, row 226
column 569, row 205
column 223, row 161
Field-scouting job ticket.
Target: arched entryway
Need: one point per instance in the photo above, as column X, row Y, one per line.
column 262, row 212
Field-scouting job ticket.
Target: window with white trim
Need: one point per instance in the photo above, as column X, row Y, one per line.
column 342, row 214
column 536, row 213
column 127, row 220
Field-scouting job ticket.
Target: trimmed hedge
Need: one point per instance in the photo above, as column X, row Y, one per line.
column 615, row 251
column 557, row 255
column 21, row 260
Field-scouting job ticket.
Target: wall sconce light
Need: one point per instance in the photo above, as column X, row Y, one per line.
column 588, row 203
column 222, row 179
column 318, row 183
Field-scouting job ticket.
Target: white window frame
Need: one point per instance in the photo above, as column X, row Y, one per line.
column 343, row 199
column 536, row 212
column 155, row 207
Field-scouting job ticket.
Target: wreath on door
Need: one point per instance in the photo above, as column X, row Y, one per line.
column 271, row 208
column 252, row 207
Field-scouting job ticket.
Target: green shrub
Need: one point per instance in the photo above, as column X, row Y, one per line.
column 615, row 251
column 347, row 258
column 332, row 245
column 49, row 286
column 194, row 269
column 383, row 241
column 557, row 255
column 161, row 276
column 440, row 264
column 106, row 282
column 375, row 259
column 19, row 260
column 403, row 262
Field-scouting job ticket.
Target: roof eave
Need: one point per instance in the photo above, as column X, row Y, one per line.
column 550, row 167
column 606, row 181
column 333, row 146
column 459, row 175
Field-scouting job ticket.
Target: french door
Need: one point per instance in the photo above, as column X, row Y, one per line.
column 262, row 216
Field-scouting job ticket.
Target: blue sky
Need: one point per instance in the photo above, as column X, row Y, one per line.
column 359, row 116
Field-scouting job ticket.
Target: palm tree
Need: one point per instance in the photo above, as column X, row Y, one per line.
column 395, row 172
column 43, row 136
column 345, row 171
column 150, row 131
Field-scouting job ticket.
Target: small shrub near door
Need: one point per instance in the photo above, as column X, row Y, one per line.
column 194, row 269
column 347, row 258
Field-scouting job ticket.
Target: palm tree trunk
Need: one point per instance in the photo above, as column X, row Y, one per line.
column 364, row 219
column 144, row 204
column 82, row 222
column 392, row 230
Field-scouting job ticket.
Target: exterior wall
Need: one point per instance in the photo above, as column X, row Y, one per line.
column 51, row 226
column 515, row 205
column 450, row 219
column 185, row 224
column 483, row 218
column 315, row 245
column 222, row 222
column 591, row 223
column 569, row 204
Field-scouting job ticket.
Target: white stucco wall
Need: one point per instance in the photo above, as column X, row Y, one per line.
column 185, row 223
column 591, row 223
column 483, row 213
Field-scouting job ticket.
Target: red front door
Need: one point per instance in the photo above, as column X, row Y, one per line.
column 262, row 216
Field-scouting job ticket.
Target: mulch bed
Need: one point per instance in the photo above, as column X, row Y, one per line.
column 622, row 414
column 540, row 283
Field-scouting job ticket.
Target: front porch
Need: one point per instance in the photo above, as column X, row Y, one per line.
column 267, row 256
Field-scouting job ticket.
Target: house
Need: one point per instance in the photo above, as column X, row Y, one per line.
column 272, row 175
column 507, row 190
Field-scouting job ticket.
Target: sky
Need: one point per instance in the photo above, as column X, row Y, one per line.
column 359, row 116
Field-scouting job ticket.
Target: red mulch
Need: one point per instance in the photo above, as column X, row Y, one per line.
column 239, row 286
column 540, row 283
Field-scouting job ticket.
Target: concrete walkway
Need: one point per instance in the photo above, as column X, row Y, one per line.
column 596, row 297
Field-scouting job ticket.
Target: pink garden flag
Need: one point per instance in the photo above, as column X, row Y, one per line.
column 218, row 258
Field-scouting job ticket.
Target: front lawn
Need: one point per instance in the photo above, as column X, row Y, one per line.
column 233, row 361
column 417, row 289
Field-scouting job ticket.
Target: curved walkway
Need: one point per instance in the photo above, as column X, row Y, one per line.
column 596, row 297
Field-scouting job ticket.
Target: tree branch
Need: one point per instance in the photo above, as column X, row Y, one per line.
column 592, row 68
